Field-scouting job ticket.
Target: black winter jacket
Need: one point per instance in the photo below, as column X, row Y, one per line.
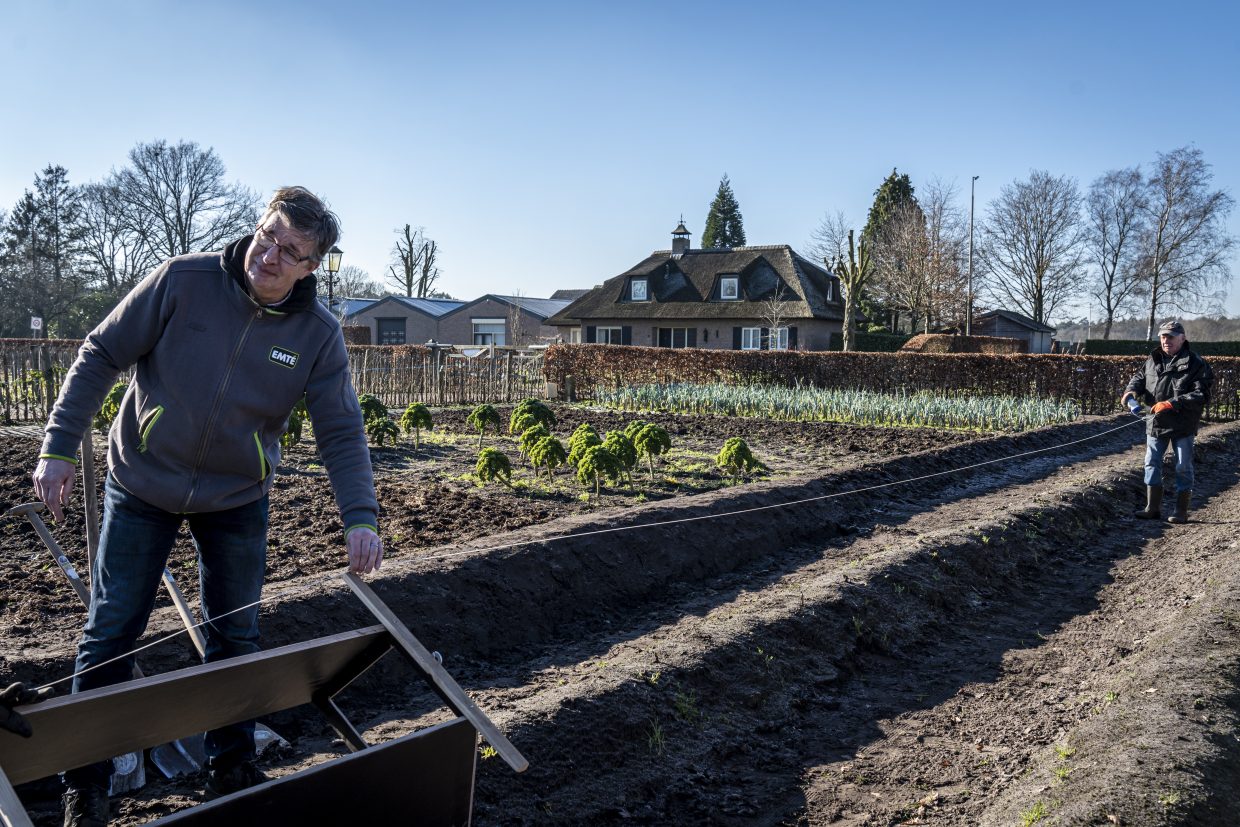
column 1184, row 380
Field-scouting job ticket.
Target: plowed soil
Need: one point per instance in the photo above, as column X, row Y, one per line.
column 891, row 627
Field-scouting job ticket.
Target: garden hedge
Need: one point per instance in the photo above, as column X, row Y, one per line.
column 1094, row 382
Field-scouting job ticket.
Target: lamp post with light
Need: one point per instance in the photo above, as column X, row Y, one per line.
column 332, row 267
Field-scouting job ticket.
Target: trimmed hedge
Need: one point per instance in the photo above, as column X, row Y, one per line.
column 872, row 342
column 1093, row 382
column 1141, row 347
column 951, row 343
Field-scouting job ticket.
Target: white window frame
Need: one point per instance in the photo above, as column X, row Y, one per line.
column 751, row 338
column 499, row 338
column 779, row 339
column 614, row 335
column 574, row 336
column 736, row 288
column 634, row 286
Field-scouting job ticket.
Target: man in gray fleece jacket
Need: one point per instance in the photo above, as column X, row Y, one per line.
column 223, row 346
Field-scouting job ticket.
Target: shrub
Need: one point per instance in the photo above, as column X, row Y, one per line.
column 296, row 422
column 530, row 436
column 377, row 430
column 633, row 427
column 528, row 413
column 584, row 437
column 112, row 406
column 549, row 453
column 493, row 466
column 651, row 441
column 951, row 343
column 622, row 449
column 736, row 458
column 597, row 462
column 372, row 407
column 416, row 417
column 482, row 416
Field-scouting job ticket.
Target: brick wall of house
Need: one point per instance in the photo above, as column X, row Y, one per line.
column 457, row 327
column 418, row 326
column 711, row 334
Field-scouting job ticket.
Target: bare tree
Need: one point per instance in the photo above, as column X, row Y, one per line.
column 354, row 282
column 853, row 274
column 1115, row 212
column 516, row 321
column 775, row 310
column 901, row 255
column 947, row 233
column 413, row 267
column 1032, row 245
column 175, row 197
column 1185, row 245
column 116, row 254
column 829, row 240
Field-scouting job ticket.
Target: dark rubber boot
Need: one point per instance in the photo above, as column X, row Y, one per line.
column 1182, row 500
column 1153, row 503
column 86, row 807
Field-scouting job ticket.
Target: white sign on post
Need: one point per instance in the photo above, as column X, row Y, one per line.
column 36, row 324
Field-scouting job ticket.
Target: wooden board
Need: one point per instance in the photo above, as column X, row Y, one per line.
column 76, row 730
column 426, row 778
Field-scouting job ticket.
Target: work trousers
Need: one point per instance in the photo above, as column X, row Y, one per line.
column 1156, row 447
column 134, row 543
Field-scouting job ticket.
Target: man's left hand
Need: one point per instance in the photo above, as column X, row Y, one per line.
column 1162, row 406
column 16, row 695
column 365, row 550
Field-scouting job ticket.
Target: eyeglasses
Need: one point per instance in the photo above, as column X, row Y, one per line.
column 264, row 241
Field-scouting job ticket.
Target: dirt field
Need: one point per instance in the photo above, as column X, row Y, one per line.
column 997, row 645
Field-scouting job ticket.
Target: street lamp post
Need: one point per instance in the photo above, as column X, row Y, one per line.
column 968, row 311
column 333, row 267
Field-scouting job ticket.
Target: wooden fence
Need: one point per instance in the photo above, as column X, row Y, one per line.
column 32, row 370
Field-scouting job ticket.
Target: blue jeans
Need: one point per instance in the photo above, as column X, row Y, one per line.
column 134, row 542
column 1155, row 447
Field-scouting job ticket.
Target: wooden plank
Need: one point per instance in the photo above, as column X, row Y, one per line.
column 436, row 675
column 12, row 811
column 426, row 778
column 90, row 726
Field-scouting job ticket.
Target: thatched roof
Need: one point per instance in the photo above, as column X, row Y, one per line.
column 686, row 286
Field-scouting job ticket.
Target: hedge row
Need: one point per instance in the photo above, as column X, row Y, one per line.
column 872, row 342
column 1094, row 382
column 1141, row 347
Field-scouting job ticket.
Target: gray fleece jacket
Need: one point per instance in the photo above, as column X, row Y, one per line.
column 216, row 377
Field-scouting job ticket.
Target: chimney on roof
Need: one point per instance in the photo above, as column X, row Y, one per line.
column 680, row 238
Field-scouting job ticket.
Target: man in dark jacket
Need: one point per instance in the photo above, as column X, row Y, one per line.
column 1176, row 382
column 223, row 346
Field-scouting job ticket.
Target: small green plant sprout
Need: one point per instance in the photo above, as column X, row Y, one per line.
column 549, row 453
column 111, row 406
column 482, row 416
column 686, row 706
column 597, row 462
column 379, row 429
column 1170, row 799
column 584, row 437
column 416, row 417
column 1033, row 815
column 633, row 427
column 655, row 739
column 487, row 751
column 736, row 458
column 530, row 436
column 295, row 424
column 493, row 466
column 530, row 412
column 1064, row 753
column 650, row 442
column 622, row 448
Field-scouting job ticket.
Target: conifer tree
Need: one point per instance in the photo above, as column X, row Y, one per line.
column 724, row 225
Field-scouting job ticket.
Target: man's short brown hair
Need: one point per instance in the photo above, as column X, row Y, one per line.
column 307, row 214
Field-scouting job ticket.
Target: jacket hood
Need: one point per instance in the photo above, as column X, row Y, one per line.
column 232, row 259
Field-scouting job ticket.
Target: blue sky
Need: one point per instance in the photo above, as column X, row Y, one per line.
column 553, row 145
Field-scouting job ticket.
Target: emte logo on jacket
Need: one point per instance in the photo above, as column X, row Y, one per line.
column 283, row 356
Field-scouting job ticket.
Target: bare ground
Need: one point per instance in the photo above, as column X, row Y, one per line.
column 990, row 646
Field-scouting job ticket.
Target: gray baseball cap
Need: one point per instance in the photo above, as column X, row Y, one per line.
column 1172, row 328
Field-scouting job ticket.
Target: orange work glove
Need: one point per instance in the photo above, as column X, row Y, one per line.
column 1162, row 406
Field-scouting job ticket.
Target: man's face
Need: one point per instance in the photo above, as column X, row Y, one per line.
column 1171, row 342
column 267, row 261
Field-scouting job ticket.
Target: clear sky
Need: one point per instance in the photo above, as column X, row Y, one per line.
column 553, row 145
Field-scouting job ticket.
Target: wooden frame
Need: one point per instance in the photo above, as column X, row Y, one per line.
column 89, row 726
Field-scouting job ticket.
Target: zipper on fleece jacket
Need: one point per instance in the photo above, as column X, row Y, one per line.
column 215, row 408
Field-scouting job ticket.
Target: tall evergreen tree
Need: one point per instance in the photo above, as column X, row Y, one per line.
column 895, row 192
column 724, row 225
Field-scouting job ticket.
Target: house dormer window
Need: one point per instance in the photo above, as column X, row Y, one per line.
column 730, row 288
column 637, row 290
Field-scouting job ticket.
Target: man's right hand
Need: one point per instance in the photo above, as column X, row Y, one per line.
column 53, row 483
column 1123, row 400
